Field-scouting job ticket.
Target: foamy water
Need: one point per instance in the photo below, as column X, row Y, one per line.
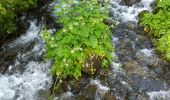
column 159, row 95
column 25, row 85
column 129, row 13
column 30, row 34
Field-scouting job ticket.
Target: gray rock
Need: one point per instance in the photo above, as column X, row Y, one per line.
column 88, row 93
column 130, row 2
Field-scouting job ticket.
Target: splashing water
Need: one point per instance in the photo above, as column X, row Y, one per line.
column 25, row 84
column 159, row 95
column 125, row 13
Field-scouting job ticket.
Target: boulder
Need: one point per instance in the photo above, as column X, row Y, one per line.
column 109, row 96
column 129, row 2
column 88, row 93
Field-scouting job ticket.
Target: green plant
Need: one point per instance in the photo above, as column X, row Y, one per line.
column 158, row 25
column 8, row 12
column 83, row 36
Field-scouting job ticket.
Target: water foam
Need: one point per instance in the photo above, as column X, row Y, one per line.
column 25, row 86
column 129, row 13
column 159, row 95
column 33, row 77
column 147, row 52
column 30, row 34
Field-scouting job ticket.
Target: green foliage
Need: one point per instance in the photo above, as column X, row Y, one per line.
column 83, row 36
column 159, row 26
column 8, row 12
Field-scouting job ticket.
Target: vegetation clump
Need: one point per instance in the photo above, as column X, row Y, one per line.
column 83, row 37
column 158, row 25
column 8, row 12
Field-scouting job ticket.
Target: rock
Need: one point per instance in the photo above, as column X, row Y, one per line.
column 149, row 84
column 78, row 85
column 143, row 42
column 43, row 95
column 108, row 96
column 22, row 25
column 88, row 93
column 146, row 83
column 132, row 67
column 142, row 13
column 9, row 55
column 125, row 50
column 109, row 21
column 130, row 2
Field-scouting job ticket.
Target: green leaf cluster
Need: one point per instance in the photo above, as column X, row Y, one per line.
column 158, row 24
column 8, row 12
column 83, row 36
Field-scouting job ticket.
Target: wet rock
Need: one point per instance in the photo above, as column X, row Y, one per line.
column 142, row 42
column 142, row 13
column 22, row 24
column 88, row 93
column 129, row 2
column 64, row 96
column 125, row 28
column 149, row 84
column 10, row 55
column 43, row 95
column 105, row 72
column 110, row 21
column 132, row 67
column 78, row 85
column 115, row 82
column 7, row 59
column 125, row 50
column 108, row 96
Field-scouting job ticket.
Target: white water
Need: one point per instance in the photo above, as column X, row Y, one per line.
column 147, row 52
column 35, row 77
column 30, row 35
column 125, row 13
column 159, row 95
column 100, row 89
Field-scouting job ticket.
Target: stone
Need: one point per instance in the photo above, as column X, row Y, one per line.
column 108, row 96
column 142, row 13
column 129, row 2
column 125, row 50
column 132, row 67
column 89, row 93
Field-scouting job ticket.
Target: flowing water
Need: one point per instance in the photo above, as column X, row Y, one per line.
column 138, row 73
column 27, row 75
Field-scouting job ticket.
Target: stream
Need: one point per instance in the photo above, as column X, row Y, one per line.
column 138, row 73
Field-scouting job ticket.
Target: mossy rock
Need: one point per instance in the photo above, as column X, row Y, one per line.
column 142, row 13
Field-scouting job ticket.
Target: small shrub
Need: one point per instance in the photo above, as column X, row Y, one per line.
column 158, row 25
column 8, row 12
column 83, row 36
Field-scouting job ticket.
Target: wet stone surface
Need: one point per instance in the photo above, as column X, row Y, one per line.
column 129, row 2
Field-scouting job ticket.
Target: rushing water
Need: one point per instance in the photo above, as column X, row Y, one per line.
column 137, row 74
column 33, row 76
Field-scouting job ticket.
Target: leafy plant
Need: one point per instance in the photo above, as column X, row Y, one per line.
column 83, row 36
column 8, row 12
column 158, row 25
